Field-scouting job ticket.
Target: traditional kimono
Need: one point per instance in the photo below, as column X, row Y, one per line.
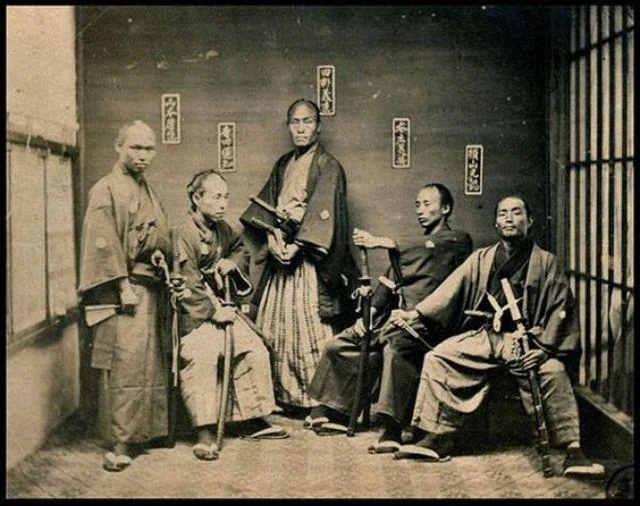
column 299, row 303
column 422, row 264
column 202, row 341
column 123, row 226
column 455, row 376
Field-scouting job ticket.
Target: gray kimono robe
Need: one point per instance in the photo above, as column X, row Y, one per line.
column 202, row 341
column 123, row 226
column 456, row 374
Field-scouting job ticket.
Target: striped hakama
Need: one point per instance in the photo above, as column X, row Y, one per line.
column 289, row 317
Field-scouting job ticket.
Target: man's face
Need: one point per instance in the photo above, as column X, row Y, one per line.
column 303, row 127
column 138, row 148
column 512, row 221
column 429, row 207
column 214, row 199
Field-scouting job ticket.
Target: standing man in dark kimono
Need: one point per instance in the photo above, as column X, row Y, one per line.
column 209, row 250
column 303, row 294
column 421, row 264
column 455, row 375
column 123, row 226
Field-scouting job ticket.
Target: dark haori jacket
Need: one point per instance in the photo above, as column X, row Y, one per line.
column 324, row 234
column 548, row 306
column 421, row 264
column 201, row 246
column 123, row 226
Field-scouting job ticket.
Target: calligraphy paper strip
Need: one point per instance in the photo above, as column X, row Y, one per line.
column 171, row 118
column 473, row 169
column 227, row 147
column 327, row 90
column 401, row 149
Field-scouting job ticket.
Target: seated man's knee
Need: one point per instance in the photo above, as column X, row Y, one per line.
column 335, row 345
column 261, row 354
column 398, row 343
column 552, row 366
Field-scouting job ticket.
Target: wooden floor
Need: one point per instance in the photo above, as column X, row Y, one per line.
column 305, row 466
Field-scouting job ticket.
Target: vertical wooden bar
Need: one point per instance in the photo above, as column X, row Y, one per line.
column 623, row 204
column 78, row 162
column 9, row 312
column 611, row 214
column 598, row 207
column 569, row 210
column 586, row 215
column 589, row 152
column 47, row 282
column 581, row 167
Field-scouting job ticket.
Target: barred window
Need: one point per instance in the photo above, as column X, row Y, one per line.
column 598, row 205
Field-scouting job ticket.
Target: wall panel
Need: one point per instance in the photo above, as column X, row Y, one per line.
column 464, row 75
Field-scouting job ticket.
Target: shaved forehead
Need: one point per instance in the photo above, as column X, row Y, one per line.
column 137, row 128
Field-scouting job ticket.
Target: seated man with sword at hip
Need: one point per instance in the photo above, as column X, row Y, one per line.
column 212, row 259
column 538, row 343
column 418, row 265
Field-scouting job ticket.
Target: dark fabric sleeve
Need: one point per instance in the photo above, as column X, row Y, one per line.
column 269, row 194
column 324, row 219
column 383, row 296
column 464, row 248
column 238, row 252
column 558, row 316
column 197, row 307
column 445, row 305
column 103, row 258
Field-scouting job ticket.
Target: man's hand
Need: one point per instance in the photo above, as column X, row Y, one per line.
column 364, row 239
column 276, row 246
column 224, row 266
column 179, row 288
column 358, row 326
column 128, row 299
column 225, row 314
column 399, row 317
column 533, row 359
column 290, row 251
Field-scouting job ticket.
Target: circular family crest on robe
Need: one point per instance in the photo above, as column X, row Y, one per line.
column 620, row 485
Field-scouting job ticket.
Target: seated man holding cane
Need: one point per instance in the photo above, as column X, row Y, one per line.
column 209, row 250
column 470, row 305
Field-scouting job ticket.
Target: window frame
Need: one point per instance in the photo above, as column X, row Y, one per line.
column 52, row 325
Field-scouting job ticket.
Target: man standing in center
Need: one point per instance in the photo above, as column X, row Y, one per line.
column 303, row 294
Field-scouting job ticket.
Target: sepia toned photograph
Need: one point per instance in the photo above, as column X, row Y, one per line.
column 223, row 282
